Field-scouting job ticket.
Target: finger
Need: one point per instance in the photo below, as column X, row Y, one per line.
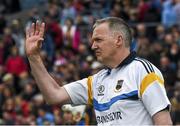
column 27, row 32
column 37, row 27
column 32, row 29
column 42, row 29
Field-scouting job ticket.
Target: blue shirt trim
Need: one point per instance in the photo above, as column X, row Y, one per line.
column 105, row 106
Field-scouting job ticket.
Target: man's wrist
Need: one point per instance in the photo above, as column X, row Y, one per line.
column 34, row 58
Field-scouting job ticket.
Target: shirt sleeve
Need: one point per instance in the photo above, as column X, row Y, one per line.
column 78, row 91
column 152, row 91
column 155, row 98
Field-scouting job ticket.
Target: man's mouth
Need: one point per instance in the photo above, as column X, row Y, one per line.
column 97, row 53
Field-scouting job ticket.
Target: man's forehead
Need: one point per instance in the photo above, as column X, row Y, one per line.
column 95, row 33
column 104, row 33
column 100, row 30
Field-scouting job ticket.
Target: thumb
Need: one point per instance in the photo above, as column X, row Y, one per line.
column 40, row 42
column 41, row 39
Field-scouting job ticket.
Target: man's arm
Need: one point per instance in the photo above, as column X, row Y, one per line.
column 52, row 92
column 162, row 118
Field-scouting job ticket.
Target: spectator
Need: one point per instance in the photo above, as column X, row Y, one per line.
column 177, row 11
column 44, row 118
column 71, row 35
column 8, row 42
column 9, row 114
column 3, row 23
column 68, row 116
column 160, row 33
column 18, row 36
column 143, row 8
column 169, row 15
column 15, row 64
column 1, row 52
column 68, row 11
column 28, row 92
column 167, row 70
column 54, row 30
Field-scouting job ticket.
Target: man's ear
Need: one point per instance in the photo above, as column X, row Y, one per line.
column 119, row 40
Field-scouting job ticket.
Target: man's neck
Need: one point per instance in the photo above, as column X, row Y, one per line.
column 117, row 59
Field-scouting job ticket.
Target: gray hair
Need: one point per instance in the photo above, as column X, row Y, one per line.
column 119, row 25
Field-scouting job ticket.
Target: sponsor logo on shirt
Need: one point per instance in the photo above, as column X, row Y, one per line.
column 109, row 117
column 101, row 89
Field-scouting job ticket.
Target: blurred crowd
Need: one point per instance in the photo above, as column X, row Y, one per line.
column 67, row 54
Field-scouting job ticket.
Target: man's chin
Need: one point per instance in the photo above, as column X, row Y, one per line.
column 99, row 59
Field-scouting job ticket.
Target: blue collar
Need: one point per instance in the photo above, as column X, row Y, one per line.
column 128, row 59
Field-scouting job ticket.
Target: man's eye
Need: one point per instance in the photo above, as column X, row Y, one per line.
column 98, row 40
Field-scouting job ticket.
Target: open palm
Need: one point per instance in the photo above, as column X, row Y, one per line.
column 34, row 38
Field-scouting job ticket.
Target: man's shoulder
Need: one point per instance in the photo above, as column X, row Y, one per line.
column 144, row 66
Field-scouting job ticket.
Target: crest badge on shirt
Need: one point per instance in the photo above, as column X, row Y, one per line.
column 118, row 86
column 101, row 89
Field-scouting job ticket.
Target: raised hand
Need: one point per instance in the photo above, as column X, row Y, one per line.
column 34, row 38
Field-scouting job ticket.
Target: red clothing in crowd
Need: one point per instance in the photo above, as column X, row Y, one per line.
column 56, row 32
column 16, row 65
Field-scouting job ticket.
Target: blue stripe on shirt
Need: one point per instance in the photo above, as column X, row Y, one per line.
column 105, row 106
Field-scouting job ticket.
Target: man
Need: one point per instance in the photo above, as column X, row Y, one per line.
column 129, row 91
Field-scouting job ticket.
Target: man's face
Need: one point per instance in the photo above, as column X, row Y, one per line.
column 103, row 43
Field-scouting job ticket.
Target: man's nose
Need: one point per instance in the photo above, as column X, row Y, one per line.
column 93, row 46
